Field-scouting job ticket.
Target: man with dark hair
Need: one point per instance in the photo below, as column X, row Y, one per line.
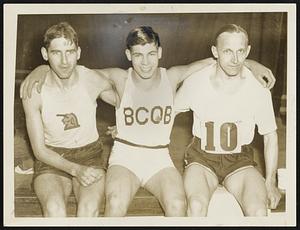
column 144, row 119
column 62, row 128
column 227, row 103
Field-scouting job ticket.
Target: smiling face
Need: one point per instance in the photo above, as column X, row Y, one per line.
column 231, row 51
column 62, row 55
column 144, row 59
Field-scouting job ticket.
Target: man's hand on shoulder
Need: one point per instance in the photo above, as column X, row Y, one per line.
column 37, row 76
column 261, row 73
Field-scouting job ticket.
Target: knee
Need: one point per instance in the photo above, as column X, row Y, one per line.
column 197, row 206
column 175, row 206
column 256, row 210
column 257, row 207
column 54, row 208
column 88, row 209
column 115, row 205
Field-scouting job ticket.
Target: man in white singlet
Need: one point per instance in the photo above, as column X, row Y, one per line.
column 140, row 155
column 227, row 103
column 61, row 125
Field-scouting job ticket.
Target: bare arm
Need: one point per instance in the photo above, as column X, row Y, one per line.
column 271, row 158
column 34, row 125
column 261, row 73
column 117, row 78
column 101, row 87
column 179, row 73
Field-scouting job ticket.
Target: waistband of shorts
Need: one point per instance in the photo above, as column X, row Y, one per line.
column 142, row 146
column 197, row 143
column 76, row 148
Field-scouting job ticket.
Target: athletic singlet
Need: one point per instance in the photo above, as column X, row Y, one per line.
column 69, row 117
column 226, row 122
column 146, row 117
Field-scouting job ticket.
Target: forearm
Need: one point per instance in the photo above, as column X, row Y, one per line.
column 263, row 74
column 251, row 64
column 271, row 157
column 52, row 158
column 107, row 73
column 196, row 66
column 108, row 91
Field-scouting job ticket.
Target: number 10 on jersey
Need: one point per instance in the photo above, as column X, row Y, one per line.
column 228, row 136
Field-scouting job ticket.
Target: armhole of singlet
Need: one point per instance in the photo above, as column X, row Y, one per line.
column 166, row 81
column 127, row 86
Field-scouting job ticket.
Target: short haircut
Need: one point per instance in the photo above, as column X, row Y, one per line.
column 230, row 28
column 62, row 29
column 141, row 36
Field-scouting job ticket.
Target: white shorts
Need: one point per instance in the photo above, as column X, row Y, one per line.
column 143, row 162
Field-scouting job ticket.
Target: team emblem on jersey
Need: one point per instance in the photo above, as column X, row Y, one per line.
column 69, row 120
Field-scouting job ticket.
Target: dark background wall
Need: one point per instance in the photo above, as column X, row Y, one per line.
column 184, row 38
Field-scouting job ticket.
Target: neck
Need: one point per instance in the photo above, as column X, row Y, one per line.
column 221, row 75
column 64, row 83
column 225, row 83
column 146, row 83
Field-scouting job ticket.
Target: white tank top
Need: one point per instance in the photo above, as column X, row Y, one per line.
column 146, row 117
column 69, row 117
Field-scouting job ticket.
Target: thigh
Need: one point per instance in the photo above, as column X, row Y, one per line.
column 248, row 187
column 167, row 184
column 121, row 182
column 199, row 182
column 92, row 193
column 51, row 186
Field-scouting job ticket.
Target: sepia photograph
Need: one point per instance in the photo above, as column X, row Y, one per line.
column 149, row 115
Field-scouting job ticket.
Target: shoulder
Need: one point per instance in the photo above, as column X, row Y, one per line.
column 90, row 76
column 84, row 71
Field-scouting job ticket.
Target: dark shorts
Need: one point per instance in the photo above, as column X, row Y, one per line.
column 220, row 164
column 88, row 155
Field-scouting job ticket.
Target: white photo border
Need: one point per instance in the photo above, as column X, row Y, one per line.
column 11, row 12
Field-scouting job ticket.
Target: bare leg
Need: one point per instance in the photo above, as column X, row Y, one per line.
column 167, row 186
column 89, row 198
column 199, row 184
column 53, row 191
column 248, row 187
column 120, row 189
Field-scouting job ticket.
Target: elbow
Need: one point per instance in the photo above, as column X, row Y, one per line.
column 271, row 136
column 271, row 143
column 39, row 152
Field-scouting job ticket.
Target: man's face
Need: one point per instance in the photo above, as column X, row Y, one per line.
column 231, row 51
column 62, row 56
column 144, row 59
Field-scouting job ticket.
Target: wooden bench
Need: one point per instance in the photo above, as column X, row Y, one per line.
column 143, row 204
column 27, row 204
